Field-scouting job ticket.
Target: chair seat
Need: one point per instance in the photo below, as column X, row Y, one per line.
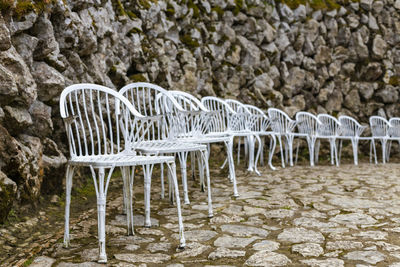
column 118, row 160
column 206, row 139
column 164, row 147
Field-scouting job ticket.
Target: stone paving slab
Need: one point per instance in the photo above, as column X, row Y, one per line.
column 297, row 216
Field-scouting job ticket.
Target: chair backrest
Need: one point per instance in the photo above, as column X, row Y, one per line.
column 280, row 121
column 307, row 123
column 260, row 120
column 394, row 129
column 379, row 126
column 187, row 101
column 350, row 127
column 241, row 120
column 194, row 121
column 330, row 126
column 93, row 116
column 222, row 113
column 153, row 100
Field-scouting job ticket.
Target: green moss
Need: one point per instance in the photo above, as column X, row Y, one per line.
column 28, row 262
column 394, row 80
column 138, row 77
column 134, row 30
column 189, row 41
column 6, row 4
column 170, row 10
column 315, row 4
column 218, row 10
column 146, row 3
column 196, row 10
column 131, row 14
column 238, row 6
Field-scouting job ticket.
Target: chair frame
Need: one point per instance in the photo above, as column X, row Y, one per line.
column 166, row 142
column 93, row 143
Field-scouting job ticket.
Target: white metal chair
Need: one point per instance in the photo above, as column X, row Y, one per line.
column 240, row 126
column 329, row 129
column 219, row 126
column 351, row 130
column 93, row 116
column 283, row 126
column 149, row 100
column 307, row 125
column 259, row 126
column 394, row 132
column 196, row 128
column 380, row 131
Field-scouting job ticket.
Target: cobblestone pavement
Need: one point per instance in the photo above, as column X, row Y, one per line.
column 298, row 216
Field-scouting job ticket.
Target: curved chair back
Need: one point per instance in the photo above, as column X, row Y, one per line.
column 222, row 113
column 307, row 123
column 241, row 121
column 350, row 127
column 194, row 121
column 280, row 122
column 93, row 116
column 379, row 126
column 260, row 120
column 330, row 126
column 152, row 100
column 394, row 129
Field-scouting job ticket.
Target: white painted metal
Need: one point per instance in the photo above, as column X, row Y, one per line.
column 351, row 130
column 259, row 127
column 329, row 129
column 283, row 126
column 380, row 131
column 307, row 125
column 220, row 126
column 241, row 126
column 93, row 117
column 200, row 130
column 152, row 100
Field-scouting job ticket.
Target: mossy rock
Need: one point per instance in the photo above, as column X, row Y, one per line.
column 189, row 41
column 19, row 8
column 138, row 77
column 8, row 191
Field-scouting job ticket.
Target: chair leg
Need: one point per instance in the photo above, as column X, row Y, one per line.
column 224, row 164
column 259, row 151
column 162, row 181
column 297, row 153
column 204, row 156
column 193, row 164
column 238, row 151
column 124, row 192
column 262, row 151
column 182, row 160
column 201, row 170
column 311, row 149
column 172, row 174
column 232, row 175
column 281, row 148
column 272, row 147
column 147, row 170
column 68, row 186
column 340, row 149
column 354, row 144
column 250, row 141
column 383, row 143
column 128, row 176
column 290, row 148
column 101, row 186
column 316, row 157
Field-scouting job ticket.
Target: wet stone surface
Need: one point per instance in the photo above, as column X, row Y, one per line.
column 298, row 216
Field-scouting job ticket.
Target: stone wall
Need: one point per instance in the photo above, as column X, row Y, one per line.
column 343, row 60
